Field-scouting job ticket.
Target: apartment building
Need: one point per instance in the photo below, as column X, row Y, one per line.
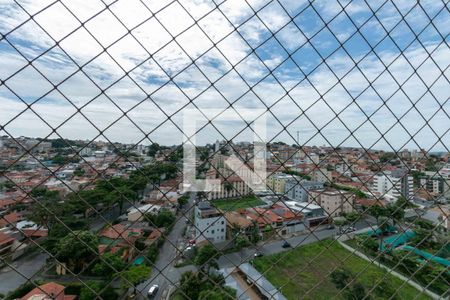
column 322, row 175
column 432, row 184
column 210, row 224
column 334, row 202
column 297, row 190
column 393, row 184
column 277, row 182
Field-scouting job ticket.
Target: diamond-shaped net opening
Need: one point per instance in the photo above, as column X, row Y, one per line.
column 224, row 149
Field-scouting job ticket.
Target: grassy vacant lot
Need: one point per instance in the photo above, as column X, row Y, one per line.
column 235, row 204
column 303, row 272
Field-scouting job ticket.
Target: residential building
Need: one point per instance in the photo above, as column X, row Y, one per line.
column 313, row 214
column 393, row 184
column 239, row 221
column 277, row 182
column 210, row 224
column 277, row 219
column 137, row 213
column 6, row 243
column 322, row 175
column 48, row 291
column 439, row 216
column 232, row 187
column 335, row 202
column 433, row 184
column 297, row 190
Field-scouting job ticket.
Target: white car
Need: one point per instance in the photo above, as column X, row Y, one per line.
column 152, row 291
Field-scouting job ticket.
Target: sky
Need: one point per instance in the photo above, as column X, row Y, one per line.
column 340, row 73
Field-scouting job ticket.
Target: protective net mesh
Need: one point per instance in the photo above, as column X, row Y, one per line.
column 94, row 198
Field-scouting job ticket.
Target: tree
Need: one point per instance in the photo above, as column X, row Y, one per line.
column 341, row 277
column 77, row 248
column 153, row 149
column 79, row 172
column 196, row 286
column 368, row 243
column 254, row 237
column 45, row 212
column 384, row 288
column 135, row 275
column 190, row 285
column 152, row 252
column 206, row 258
column 343, row 280
column 384, row 224
column 119, row 195
column 422, row 237
column 424, row 224
column 183, row 200
column 396, row 213
column 110, row 264
column 356, row 292
column 164, row 219
column 339, row 222
column 376, row 211
column 241, row 242
column 96, row 290
column 352, row 216
column 218, row 293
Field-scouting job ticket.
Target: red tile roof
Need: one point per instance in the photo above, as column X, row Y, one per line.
column 49, row 290
column 35, row 232
column 119, row 231
column 11, row 218
column 5, row 239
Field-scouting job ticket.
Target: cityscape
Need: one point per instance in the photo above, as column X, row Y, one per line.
column 65, row 203
column 224, row 149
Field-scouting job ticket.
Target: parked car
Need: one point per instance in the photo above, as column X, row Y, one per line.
column 348, row 230
column 286, row 245
column 152, row 291
column 257, row 254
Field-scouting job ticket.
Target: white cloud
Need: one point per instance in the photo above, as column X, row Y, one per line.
column 213, row 60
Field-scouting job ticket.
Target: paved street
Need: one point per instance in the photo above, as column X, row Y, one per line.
column 275, row 246
column 26, row 268
column 164, row 274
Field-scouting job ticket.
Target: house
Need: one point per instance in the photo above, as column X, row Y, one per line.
column 277, row 218
column 154, row 236
column 6, row 243
column 121, row 233
column 439, row 216
column 10, row 220
column 313, row 214
column 239, row 221
column 137, row 213
column 48, row 291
